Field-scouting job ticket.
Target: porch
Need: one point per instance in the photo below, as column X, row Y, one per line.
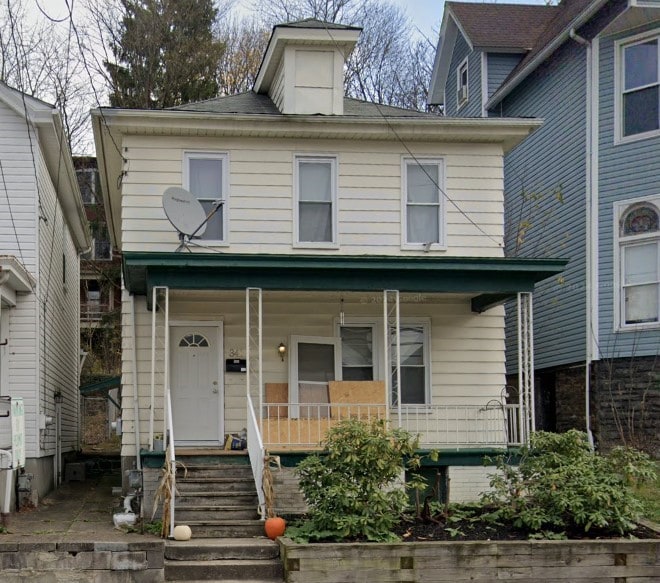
column 286, row 347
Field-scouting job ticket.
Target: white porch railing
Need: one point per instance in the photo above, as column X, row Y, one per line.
column 256, row 452
column 438, row 426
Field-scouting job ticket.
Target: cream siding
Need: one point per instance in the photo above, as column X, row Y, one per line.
column 59, row 301
column 369, row 194
column 467, row 349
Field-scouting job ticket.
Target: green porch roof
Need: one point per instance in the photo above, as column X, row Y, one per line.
column 491, row 279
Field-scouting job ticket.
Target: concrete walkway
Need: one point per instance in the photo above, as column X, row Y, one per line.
column 77, row 511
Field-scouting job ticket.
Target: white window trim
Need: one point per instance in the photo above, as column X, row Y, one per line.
column 377, row 335
column 441, row 245
column 460, row 102
column 619, row 241
column 93, row 251
column 224, row 157
column 294, row 396
column 332, row 159
column 619, row 47
column 425, row 323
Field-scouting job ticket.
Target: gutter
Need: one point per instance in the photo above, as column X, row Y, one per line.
column 577, row 22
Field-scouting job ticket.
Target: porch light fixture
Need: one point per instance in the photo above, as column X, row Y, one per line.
column 281, row 350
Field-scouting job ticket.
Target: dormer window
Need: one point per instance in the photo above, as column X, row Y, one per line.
column 462, row 84
column 639, row 252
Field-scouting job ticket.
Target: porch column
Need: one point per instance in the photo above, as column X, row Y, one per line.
column 253, row 346
column 526, row 365
column 392, row 349
column 160, row 306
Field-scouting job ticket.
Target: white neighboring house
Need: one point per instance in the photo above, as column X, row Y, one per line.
column 43, row 230
column 354, row 267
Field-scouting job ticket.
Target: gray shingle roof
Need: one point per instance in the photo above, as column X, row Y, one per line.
column 505, row 26
column 315, row 23
column 251, row 103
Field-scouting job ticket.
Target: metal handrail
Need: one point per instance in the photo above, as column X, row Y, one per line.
column 172, row 459
column 256, row 452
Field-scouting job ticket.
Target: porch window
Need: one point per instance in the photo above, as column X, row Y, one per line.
column 205, row 176
column 316, row 201
column 415, row 377
column 639, row 239
column 357, row 353
column 640, row 87
column 315, row 362
column 423, row 203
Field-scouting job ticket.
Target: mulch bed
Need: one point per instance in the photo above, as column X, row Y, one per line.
column 418, row 530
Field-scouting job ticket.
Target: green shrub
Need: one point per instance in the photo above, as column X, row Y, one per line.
column 560, row 484
column 352, row 488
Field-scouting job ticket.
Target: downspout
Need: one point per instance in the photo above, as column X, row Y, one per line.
column 136, row 408
column 590, row 208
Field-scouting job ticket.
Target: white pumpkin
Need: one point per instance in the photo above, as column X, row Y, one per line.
column 182, row 532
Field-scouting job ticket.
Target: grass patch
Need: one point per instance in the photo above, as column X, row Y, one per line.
column 649, row 494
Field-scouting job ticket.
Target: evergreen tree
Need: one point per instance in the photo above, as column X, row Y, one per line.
column 165, row 54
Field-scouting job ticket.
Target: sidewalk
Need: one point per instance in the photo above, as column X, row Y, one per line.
column 77, row 511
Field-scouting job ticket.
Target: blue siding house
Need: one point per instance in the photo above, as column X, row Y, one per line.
column 586, row 186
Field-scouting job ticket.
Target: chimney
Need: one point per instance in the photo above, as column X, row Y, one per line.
column 303, row 68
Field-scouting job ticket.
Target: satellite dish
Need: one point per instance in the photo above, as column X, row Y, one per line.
column 184, row 211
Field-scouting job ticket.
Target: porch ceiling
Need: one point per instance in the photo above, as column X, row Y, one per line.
column 491, row 279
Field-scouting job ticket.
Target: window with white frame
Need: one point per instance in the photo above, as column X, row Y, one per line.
column 415, row 365
column 316, row 195
column 357, row 352
column 462, row 84
column 640, row 87
column 423, row 202
column 206, row 177
column 639, row 241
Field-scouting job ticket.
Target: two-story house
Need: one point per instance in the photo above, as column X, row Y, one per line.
column 585, row 186
column 352, row 265
column 43, row 230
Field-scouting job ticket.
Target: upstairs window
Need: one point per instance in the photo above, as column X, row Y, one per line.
column 640, row 88
column 87, row 183
column 423, row 203
column 462, row 84
column 206, row 177
column 316, row 201
column 639, row 241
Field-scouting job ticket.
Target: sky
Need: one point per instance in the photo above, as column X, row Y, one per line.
column 425, row 14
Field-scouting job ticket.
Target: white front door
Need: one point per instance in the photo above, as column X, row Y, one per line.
column 196, row 384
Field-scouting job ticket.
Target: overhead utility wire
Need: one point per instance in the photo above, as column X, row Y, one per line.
column 419, row 164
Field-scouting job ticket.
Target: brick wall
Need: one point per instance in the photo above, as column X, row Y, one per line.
column 626, row 403
column 467, row 483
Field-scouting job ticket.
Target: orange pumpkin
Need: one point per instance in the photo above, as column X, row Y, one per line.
column 274, row 527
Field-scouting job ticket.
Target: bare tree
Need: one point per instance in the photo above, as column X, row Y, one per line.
column 245, row 42
column 387, row 66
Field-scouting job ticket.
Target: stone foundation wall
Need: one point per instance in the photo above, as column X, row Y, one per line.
column 82, row 562
column 569, row 400
column 626, row 403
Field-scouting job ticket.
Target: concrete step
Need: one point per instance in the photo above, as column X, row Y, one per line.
column 185, row 513
column 226, row 528
column 217, row 499
column 193, row 484
column 263, row 570
column 211, row 470
column 212, row 549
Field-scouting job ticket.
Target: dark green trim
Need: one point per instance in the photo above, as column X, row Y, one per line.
column 461, row 457
column 487, row 301
column 104, row 386
column 230, row 271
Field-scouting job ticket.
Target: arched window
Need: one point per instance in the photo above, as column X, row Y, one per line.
column 194, row 341
column 639, row 238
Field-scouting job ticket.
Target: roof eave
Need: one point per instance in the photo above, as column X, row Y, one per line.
column 506, row 88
